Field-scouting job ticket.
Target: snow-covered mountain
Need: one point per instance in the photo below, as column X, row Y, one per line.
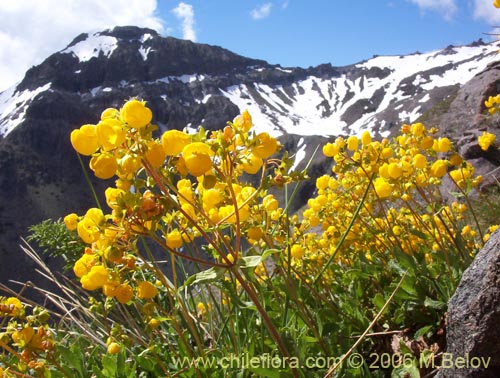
column 187, row 80
column 187, row 85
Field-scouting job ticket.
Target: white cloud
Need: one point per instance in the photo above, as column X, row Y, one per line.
column 32, row 30
column 484, row 10
column 446, row 7
column 261, row 12
column 185, row 13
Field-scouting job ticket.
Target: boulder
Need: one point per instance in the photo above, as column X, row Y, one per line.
column 473, row 331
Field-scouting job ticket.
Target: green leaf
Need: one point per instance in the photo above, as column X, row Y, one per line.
column 437, row 305
column 379, row 301
column 249, row 261
column 109, row 365
column 423, row 332
column 206, row 276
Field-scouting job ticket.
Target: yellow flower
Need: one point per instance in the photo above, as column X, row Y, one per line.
column 441, row 145
column 438, row 168
column 104, row 166
column 297, row 251
column 174, row 239
column 110, row 113
column 243, row 122
column 71, row 221
column 124, row 293
column 266, row 147
column 173, row 141
column 366, row 138
column 496, row 3
column 15, row 305
column 211, row 197
column 95, row 278
column 419, row 161
column 146, row 290
column 382, row 187
column 155, row 154
column 114, row 348
column 84, row 140
column 251, row 164
column 83, row 265
column 395, row 171
column 128, row 165
column 112, row 195
column 330, row 150
column 136, row 114
column 352, row 143
column 197, row 158
column 486, row 140
column 417, row 129
column 23, row 337
column 270, row 203
column 110, row 133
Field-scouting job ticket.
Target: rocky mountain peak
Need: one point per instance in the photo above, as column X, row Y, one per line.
column 130, row 54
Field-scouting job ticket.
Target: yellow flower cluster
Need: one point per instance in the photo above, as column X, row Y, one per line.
column 402, row 209
column 172, row 189
column 30, row 334
column 486, row 140
column 493, row 104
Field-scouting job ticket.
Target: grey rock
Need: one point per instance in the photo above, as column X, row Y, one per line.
column 474, row 316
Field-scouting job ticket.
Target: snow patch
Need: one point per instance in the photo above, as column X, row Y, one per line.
column 13, row 106
column 92, row 47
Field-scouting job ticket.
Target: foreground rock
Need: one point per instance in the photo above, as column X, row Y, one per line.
column 473, row 331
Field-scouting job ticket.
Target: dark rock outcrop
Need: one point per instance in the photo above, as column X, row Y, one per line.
column 473, row 318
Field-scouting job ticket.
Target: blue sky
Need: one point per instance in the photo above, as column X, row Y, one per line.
column 288, row 32
column 308, row 33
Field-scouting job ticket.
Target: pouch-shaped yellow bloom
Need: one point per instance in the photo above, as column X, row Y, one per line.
column 155, row 154
column 243, row 122
column 486, row 140
column 104, row 166
column 251, row 164
column 23, row 337
column 382, row 187
column 174, row 239
column 95, row 278
column 266, row 147
column 394, row 170
column 442, row 145
column 136, row 114
column 330, row 149
column 84, row 140
column 114, row 348
column 16, row 305
column 128, row 165
column 352, row 143
column 83, row 265
column 112, row 195
column 197, row 158
column 110, row 113
column 417, row 129
column 110, row 133
column 124, row 293
column 146, row 290
column 438, row 168
column 366, row 138
column 419, row 161
column 297, row 251
column 71, row 221
column 173, row 141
